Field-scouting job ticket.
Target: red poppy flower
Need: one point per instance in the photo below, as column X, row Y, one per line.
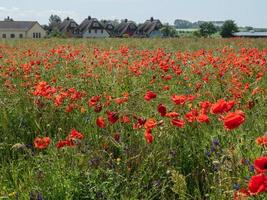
column 100, row 122
column 148, row 136
column 191, row 115
column 218, row 107
column 150, row 95
column 262, row 140
column 162, row 110
column 203, row 118
column 260, row 165
column 257, row 184
column 178, row 123
column 117, row 137
column 75, row 135
column 93, row 101
column 241, row 194
column 234, row 119
column 222, row 106
column 62, row 143
column 179, row 99
column 98, row 108
column 112, row 117
column 125, row 119
column 172, row 114
column 150, row 123
column 205, row 104
column 139, row 124
column 41, row 143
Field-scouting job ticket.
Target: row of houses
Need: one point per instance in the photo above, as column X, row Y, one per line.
column 92, row 27
column 89, row 28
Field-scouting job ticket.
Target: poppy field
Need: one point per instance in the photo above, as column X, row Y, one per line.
column 133, row 119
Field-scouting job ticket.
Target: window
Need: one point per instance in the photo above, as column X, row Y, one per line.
column 20, row 35
column 73, row 25
column 12, row 35
column 102, row 31
column 95, row 24
column 33, row 35
column 39, row 35
column 4, row 36
column 95, row 30
column 90, row 31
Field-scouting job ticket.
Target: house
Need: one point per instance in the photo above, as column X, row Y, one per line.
column 151, row 28
column 251, row 34
column 69, row 27
column 109, row 27
column 21, row 29
column 125, row 28
column 92, row 28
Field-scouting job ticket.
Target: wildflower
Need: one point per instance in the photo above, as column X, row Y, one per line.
column 75, row 135
column 257, row 184
column 191, row 115
column 241, row 194
column 179, row 99
column 178, row 123
column 172, row 114
column 112, row 117
column 100, row 122
column 62, row 143
column 148, row 136
column 260, row 165
column 234, row 119
column 262, row 141
column 150, row 95
column 93, row 101
column 203, row 118
column 117, row 137
column 125, row 119
column 222, row 106
column 150, row 123
column 162, row 110
column 41, row 143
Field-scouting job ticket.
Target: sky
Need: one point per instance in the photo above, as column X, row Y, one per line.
column 244, row 12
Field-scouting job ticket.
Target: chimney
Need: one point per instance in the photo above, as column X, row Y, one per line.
column 68, row 18
column 151, row 19
column 89, row 18
column 126, row 20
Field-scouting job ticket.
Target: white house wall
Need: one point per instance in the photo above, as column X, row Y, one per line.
column 9, row 32
column 36, row 29
column 97, row 34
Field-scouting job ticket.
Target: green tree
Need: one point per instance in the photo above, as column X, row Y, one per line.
column 229, row 27
column 207, row 29
column 168, row 31
column 54, row 21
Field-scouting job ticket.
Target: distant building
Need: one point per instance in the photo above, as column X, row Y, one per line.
column 92, row 28
column 109, row 27
column 125, row 28
column 20, row 29
column 151, row 28
column 250, row 34
column 69, row 27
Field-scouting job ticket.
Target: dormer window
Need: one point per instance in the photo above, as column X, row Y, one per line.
column 132, row 26
column 72, row 25
column 95, row 24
